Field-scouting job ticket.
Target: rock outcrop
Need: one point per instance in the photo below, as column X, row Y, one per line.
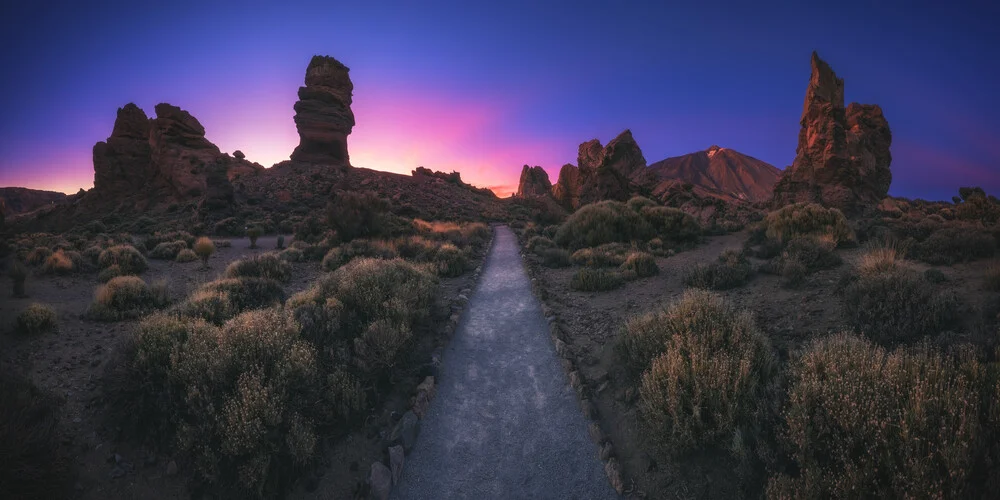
column 843, row 157
column 606, row 172
column 166, row 159
column 567, row 188
column 19, row 200
column 534, row 182
column 724, row 172
column 323, row 113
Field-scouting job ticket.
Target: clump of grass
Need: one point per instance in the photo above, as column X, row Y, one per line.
column 343, row 254
column 891, row 425
column 267, row 265
column 794, row 272
column 897, row 305
column 18, row 273
column 643, row 265
column 814, row 252
column 126, row 257
column 35, row 319
column 186, row 255
column 881, row 256
column 127, row 297
column 204, row 248
column 608, row 255
column 167, row 250
column 731, row 270
column 58, row 263
column 707, row 372
column 38, row 256
column 450, row 260
column 596, row 280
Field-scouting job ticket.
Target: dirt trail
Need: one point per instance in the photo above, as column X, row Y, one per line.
column 505, row 422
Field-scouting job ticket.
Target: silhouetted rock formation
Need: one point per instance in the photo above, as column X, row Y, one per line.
column 567, row 188
column 843, row 157
column 123, row 163
column 19, row 200
column 606, row 172
column 725, row 172
column 323, row 113
column 534, row 182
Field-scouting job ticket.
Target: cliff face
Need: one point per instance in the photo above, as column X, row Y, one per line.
column 842, row 159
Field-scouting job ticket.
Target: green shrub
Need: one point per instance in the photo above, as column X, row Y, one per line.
column 173, row 238
column 935, row 276
column 864, row 422
column 35, row 463
column 808, row 219
column 603, row 222
column 167, row 250
column 538, row 243
column 291, row 254
column 638, row 203
column 812, row 252
column 730, row 271
column 126, row 297
column 671, row 224
column 596, row 280
column 608, row 255
column 230, row 227
column 219, row 300
column 125, row 257
column 955, row 244
column 554, row 257
column 266, row 265
column 343, row 254
column 450, row 261
column 356, row 215
column 253, row 233
column 897, row 305
column 58, row 263
column 35, row 319
column 706, row 369
column 112, row 271
column 794, row 272
column 186, row 255
column 642, row 264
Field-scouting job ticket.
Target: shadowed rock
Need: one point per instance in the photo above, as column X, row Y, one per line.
column 123, row 163
column 567, row 188
column 605, row 172
column 534, row 182
column 323, row 113
column 842, row 159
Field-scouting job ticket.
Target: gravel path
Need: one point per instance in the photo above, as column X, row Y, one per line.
column 505, row 422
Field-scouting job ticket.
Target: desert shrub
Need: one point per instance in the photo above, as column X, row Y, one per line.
column 642, row 264
column 222, row 243
column 266, row 265
column 253, row 233
column 794, row 272
column 537, row 243
column 213, row 306
column 671, row 224
column 864, row 422
column 35, row 465
column 280, row 244
column 35, row 319
column 975, row 205
column 608, row 255
column 174, row 238
column 125, row 297
column 125, row 257
column 109, row 272
column 38, row 256
column 242, row 294
column 461, row 235
column 167, row 250
column 730, row 271
column 92, row 253
column 18, row 274
column 204, row 248
column 602, row 222
column 808, row 219
column 897, row 305
column 554, row 257
column 596, row 280
column 880, row 256
column 815, row 253
column 638, row 203
column 230, row 226
column 343, row 254
column 356, row 215
column 186, row 255
column 416, row 248
column 935, row 276
column 450, row 260
column 58, row 263
column 706, row 370
column 952, row 245
column 291, row 254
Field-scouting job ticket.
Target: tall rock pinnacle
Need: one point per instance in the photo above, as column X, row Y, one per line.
column 323, row 113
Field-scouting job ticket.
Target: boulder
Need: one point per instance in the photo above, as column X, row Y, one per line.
column 323, row 113
column 534, row 182
column 842, row 159
column 406, row 431
column 396, row 461
column 380, row 480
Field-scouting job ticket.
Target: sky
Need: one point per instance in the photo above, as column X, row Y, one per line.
column 486, row 87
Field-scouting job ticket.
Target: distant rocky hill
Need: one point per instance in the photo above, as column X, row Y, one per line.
column 19, row 200
column 725, row 172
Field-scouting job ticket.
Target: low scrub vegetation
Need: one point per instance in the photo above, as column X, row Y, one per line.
column 596, row 280
column 615, row 222
column 186, row 255
column 220, row 300
column 58, row 263
column 955, row 244
column 554, row 257
column 126, row 257
column 641, row 265
column 127, row 297
column 607, row 255
column 18, row 273
column 807, row 219
column 343, row 254
column 732, row 270
column 268, row 266
column 35, row 319
column 167, row 250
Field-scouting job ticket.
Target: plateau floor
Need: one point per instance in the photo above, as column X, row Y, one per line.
column 505, row 423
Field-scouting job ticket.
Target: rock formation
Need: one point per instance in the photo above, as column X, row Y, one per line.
column 724, row 172
column 19, row 200
column 843, row 157
column 534, row 182
column 323, row 113
column 606, row 172
column 164, row 159
column 567, row 188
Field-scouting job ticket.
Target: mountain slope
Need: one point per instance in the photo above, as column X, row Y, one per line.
column 724, row 171
column 19, row 200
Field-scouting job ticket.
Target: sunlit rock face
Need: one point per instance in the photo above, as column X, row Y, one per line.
column 567, row 188
column 323, row 113
column 843, row 157
column 534, row 182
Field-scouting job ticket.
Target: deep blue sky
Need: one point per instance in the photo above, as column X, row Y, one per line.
column 485, row 89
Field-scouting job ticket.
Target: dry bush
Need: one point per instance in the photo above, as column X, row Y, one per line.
column 291, row 254
column 815, row 253
column 672, row 224
column 126, row 257
column 603, row 222
column 112, row 271
column 171, row 238
column 643, row 265
column 58, row 263
column 126, row 297
column 34, row 463
column 266, row 265
column 38, row 256
column 607, row 255
column 465, row 235
column 554, row 257
column 807, row 219
column 356, row 215
column 204, row 248
column 935, row 276
column 707, row 372
column 18, row 274
column 897, row 305
column 451, row 261
column 880, row 256
column 220, row 300
column 794, row 272
column 167, row 250
column 862, row 422
column 596, row 280
column 730, row 271
column 186, row 255
column 538, row 243
column 253, row 233
column 35, row 319
column 955, row 244
column 353, row 249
